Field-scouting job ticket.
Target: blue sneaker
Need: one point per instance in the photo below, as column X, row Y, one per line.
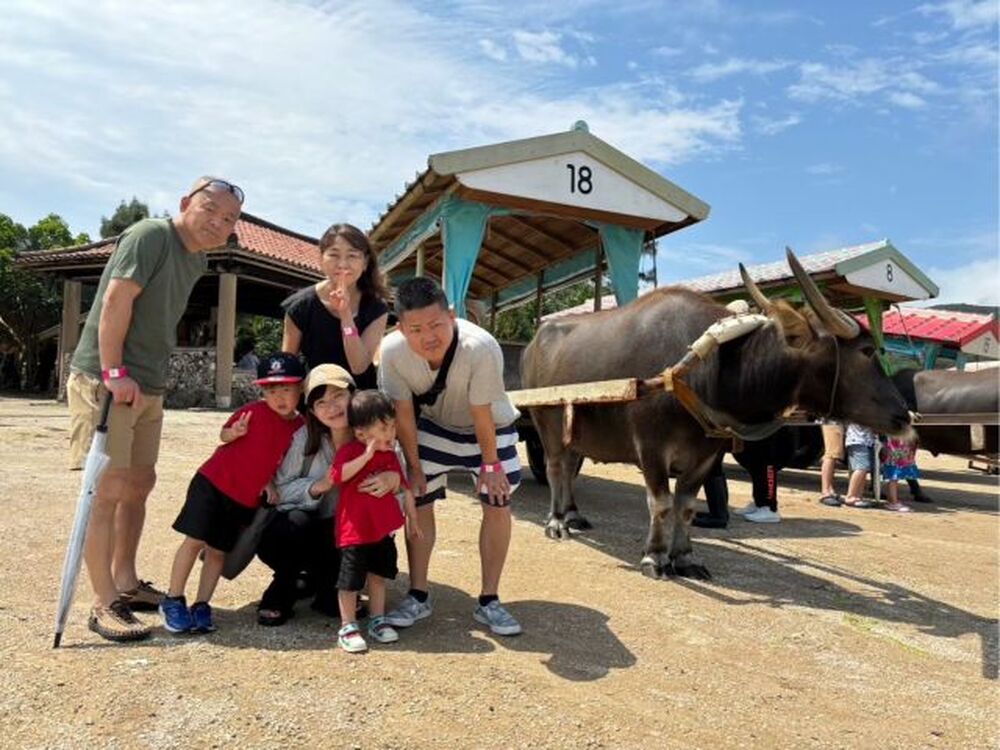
column 201, row 618
column 176, row 617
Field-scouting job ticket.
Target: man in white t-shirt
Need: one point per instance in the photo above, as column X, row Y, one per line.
column 461, row 421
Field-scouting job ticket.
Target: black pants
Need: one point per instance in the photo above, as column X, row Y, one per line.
column 297, row 545
column 717, row 491
column 760, row 459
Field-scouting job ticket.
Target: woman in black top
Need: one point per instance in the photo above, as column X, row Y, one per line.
column 341, row 319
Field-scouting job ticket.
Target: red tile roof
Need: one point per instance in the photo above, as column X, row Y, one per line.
column 255, row 236
column 942, row 326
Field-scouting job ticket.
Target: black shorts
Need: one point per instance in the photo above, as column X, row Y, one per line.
column 212, row 516
column 358, row 560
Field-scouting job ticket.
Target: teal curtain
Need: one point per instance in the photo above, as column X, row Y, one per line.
column 463, row 224
column 622, row 248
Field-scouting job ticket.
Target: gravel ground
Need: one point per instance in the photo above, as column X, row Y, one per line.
column 836, row 628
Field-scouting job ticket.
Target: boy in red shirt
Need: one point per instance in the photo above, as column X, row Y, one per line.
column 227, row 489
column 365, row 522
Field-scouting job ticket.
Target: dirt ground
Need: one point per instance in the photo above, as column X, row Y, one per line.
column 836, row 628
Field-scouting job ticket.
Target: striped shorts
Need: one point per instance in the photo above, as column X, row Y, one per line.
column 442, row 451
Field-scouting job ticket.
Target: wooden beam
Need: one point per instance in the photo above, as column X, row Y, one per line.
column 225, row 340
column 599, row 260
column 561, row 241
column 597, row 392
column 509, row 258
column 540, row 254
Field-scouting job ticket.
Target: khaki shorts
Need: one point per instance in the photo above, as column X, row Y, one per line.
column 833, row 442
column 133, row 434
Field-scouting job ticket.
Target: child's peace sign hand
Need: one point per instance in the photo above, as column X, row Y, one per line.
column 241, row 426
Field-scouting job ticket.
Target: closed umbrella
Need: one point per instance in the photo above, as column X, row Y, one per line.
column 97, row 462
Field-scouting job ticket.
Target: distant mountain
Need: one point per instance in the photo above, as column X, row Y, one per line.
column 961, row 307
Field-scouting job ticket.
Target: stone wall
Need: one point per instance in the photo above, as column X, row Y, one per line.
column 191, row 380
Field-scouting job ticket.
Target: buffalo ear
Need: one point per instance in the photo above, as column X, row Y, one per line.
column 794, row 325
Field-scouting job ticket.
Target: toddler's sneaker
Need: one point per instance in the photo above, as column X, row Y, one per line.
column 175, row 613
column 408, row 612
column 382, row 631
column 201, row 618
column 498, row 618
column 349, row 638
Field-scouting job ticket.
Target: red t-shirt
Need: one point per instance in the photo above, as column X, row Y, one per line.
column 363, row 518
column 241, row 469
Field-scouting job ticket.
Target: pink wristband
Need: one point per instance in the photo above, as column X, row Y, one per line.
column 349, row 331
column 114, row 373
column 496, row 468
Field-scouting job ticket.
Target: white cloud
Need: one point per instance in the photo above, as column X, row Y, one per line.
column 768, row 126
column 734, row 66
column 543, row 47
column 325, row 121
column 975, row 283
column 666, row 51
column 965, row 14
column 895, row 81
column 493, row 50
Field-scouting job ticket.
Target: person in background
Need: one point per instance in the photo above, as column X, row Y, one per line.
column 899, row 461
column 860, row 444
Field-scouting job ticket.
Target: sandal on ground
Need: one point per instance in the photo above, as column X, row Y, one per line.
column 143, row 598
column 117, row 623
column 834, row 501
column 857, row 502
column 272, row 618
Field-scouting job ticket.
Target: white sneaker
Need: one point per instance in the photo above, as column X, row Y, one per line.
column 408, row 612
column 748, row 508
column 763, row 515
column 498, row 618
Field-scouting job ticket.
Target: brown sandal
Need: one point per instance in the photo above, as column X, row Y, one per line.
column 143, row 598
column 117, row 623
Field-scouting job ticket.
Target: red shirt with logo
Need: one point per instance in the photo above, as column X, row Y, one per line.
column 363, row 518
column 242, row 468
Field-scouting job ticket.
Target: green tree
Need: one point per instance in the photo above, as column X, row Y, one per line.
column 262, row 332
column 30, row 302
column 519, row 324
column 124, row 216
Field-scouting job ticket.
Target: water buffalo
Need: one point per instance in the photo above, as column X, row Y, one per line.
column 814, row 357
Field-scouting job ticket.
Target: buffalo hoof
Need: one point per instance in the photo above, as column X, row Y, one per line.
column 557, row 528
column 692, row 570
column 656, row 566
column 577, row 522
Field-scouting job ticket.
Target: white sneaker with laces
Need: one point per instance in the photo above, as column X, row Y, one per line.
column 748, row 508
column 763, row 515
column 498, row 618
column 408, row 612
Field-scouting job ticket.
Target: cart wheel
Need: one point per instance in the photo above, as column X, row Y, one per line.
column 536, row 460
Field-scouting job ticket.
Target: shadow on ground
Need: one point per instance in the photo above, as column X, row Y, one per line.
column 746, row 573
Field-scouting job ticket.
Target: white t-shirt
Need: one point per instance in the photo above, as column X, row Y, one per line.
column 475, row 378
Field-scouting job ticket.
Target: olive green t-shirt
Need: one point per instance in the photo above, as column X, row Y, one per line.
column 151, row 254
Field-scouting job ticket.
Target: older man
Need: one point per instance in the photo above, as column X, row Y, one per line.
column 124, row 350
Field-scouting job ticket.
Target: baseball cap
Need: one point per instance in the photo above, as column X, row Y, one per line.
column 329, row 374
column 280, row 368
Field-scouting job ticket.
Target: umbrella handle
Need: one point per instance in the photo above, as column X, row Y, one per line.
column 109, row 399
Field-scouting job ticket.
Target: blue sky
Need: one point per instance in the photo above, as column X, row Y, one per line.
column 810, row 124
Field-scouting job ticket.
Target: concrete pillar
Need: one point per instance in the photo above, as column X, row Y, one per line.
column 420, row 261
column 225, row 340
column 69, row 330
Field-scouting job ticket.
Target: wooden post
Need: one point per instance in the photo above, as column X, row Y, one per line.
column 599, row 256
column 225, row 339
column 493, row 311
column 538, row 299
column 69, row 331
column 420, row 260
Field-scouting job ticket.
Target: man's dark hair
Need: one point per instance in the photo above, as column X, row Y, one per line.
column 368, row 407
column 418, row 293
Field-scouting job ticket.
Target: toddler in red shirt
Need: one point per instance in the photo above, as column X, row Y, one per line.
column 365, row 522
column 226, row 492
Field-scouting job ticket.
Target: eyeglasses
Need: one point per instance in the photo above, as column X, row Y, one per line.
column 220, row 185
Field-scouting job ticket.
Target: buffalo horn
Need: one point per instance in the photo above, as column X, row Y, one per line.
column 838, row 322
column 762, row 302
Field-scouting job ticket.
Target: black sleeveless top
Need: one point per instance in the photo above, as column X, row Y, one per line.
column 322, row 341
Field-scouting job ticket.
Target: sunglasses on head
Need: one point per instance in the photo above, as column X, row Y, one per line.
column 220, row 185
